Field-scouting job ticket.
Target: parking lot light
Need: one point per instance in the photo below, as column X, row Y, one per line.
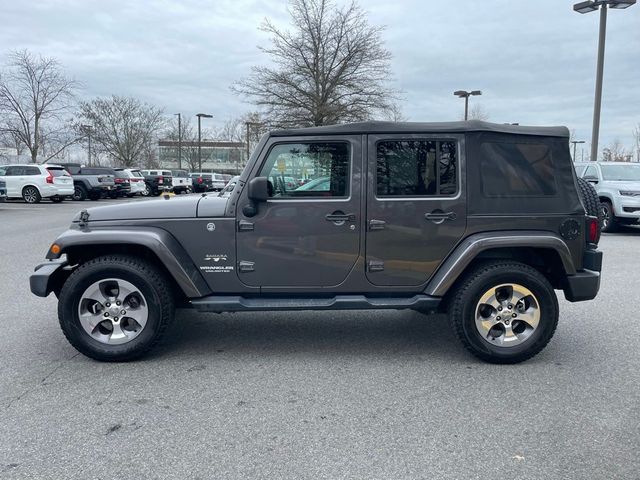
column 464, row 94
column 200, row 116
column 588, row 7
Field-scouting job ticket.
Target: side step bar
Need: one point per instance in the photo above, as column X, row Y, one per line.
column 218, row 303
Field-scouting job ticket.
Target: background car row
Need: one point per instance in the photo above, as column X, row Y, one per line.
column 33, row 182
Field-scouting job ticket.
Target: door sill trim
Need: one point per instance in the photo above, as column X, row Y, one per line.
column 232, row 303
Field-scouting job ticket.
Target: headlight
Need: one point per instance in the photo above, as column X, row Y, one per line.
column 628, row 193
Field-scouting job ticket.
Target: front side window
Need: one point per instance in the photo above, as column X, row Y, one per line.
column 416, row 168
column 516, row 170
column 591, row 171
column 300, row 170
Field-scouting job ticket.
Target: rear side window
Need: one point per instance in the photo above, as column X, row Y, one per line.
column 57, row 172
column 516, row 170
column 32, row 171
column 413, row 168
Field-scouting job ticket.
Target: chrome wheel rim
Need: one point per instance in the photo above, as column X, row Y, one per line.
column 606, row 216
column 147, row 190
column 30, row 195
column 507, row 315
column 113, row 311
column 77, row 195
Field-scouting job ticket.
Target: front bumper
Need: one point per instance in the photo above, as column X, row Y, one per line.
column 626, row 207
column 48, row 276
column 585, row 284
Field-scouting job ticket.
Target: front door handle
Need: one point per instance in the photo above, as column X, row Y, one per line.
column 338, row 216
column 438, row 216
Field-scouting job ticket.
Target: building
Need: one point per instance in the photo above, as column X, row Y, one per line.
column 217, row 157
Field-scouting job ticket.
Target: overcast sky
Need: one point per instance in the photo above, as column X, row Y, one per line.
column 533, row 60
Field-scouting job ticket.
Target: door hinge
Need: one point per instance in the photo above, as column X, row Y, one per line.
column 377, row 224
column 376, row 266
column 245, row 266
column 244, row 226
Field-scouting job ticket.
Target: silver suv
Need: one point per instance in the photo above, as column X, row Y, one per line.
column 618, row 186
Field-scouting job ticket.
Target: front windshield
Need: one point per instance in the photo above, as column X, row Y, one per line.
column 630, row 173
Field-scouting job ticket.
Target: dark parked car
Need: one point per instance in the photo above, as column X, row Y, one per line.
column 201, row 182
column 157, row 182
column 3, row 191
column 480, row 220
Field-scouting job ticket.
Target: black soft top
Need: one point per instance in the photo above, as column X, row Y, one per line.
column 422, row 127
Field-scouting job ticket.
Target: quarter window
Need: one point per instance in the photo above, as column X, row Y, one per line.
column 516, row 170
column 416, row 168
column 301, row 170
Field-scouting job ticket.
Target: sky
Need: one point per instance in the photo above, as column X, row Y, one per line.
column 534, row 61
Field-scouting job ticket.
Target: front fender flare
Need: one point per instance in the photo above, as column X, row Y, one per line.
column 473, row 245
column 164, row 245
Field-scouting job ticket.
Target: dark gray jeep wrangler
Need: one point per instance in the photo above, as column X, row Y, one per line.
column 480, row 220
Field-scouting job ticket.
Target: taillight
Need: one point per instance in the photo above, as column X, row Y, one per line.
column 160, row 179
column 593, row 230
column 199, row 180
column 49, row 178
column 118, row 180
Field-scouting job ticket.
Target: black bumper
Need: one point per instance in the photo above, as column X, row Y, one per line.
column 584, row 285
column 47, row 276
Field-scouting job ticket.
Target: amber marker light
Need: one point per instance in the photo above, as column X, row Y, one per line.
column 55, row 249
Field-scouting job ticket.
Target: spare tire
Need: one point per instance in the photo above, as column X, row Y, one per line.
column 589, row 197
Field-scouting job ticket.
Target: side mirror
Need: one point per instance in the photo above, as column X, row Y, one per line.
column 259, row 189
column 591, row 178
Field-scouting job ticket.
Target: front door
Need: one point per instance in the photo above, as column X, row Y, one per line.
column 307, row 234
column 416, row 207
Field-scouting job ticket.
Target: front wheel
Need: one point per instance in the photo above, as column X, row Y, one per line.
column 607, row 218
column 504, row 312
column 115, row 308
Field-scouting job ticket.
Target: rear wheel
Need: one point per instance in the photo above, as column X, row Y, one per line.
column 94, row 196
column 115, row 307
column 31, row 194
column 79, row 193
column 147, row 190
column 504, row 312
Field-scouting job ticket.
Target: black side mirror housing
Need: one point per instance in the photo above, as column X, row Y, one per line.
column 259, row 189
column 591, row 179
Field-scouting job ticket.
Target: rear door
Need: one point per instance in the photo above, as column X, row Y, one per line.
column 303, row 238
column 416, row 206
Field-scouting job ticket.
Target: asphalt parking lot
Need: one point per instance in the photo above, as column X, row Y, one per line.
column 315, row 395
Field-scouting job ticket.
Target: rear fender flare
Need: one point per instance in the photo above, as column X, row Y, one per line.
column 472, row 246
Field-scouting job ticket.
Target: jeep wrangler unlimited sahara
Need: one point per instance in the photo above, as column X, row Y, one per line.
column 480, row 220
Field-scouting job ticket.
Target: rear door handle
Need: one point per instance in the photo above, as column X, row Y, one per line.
column 438, row 216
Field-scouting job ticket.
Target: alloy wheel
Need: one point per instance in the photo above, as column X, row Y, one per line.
column 507, row 315
column 30, row 195
column 113, row 311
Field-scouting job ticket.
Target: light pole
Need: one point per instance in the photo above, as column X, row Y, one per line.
column 575, row 142
column 464, row 94
column 200, row 116
column 587, row 7
column 179, row 140
column 88, row 129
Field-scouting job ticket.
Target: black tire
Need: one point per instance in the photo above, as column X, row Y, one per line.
column 147, row 190
column 57, row 199
column 31, row 194
column 465, row 297
column 151, row 282
column 113, row 195
column 589, row 197
column 79, row 193
column 608, row 222
column 94, row 196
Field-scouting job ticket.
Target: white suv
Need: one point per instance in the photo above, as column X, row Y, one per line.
column 34, row 182
column 137, row 181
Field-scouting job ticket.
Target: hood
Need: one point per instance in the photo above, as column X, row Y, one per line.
column 173, row 207
column 623, row 185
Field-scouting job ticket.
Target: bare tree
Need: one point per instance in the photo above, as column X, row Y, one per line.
column 124, row 127
column 35, row 97
column 331, row 67
column 477, row 112
column 616, row 152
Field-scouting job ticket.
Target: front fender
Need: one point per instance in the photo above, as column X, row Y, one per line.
column 160, row 242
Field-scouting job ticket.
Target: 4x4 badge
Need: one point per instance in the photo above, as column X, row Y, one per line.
column 211, row 226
